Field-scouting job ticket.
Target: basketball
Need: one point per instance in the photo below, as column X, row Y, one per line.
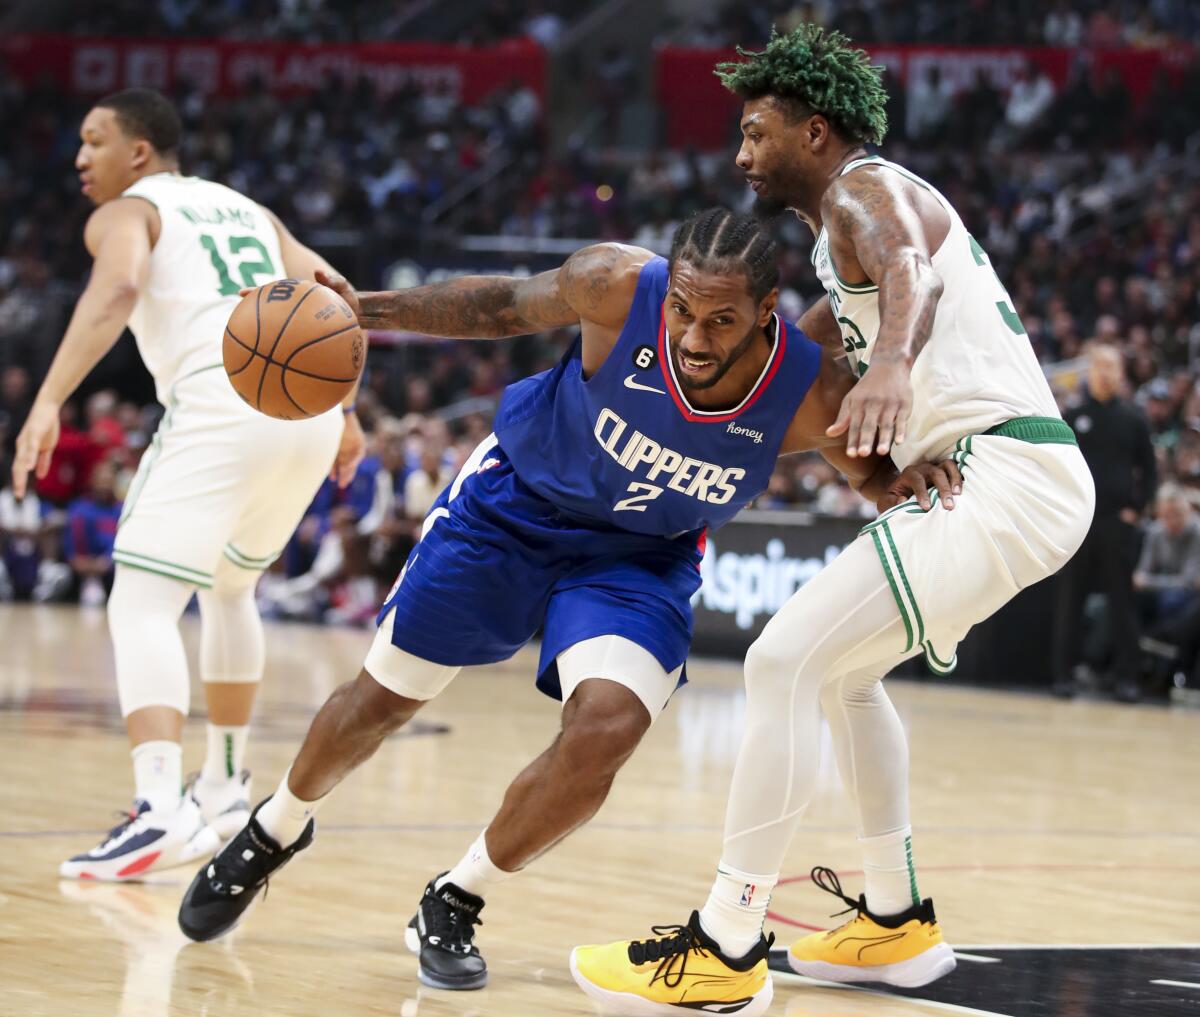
column 293, row 349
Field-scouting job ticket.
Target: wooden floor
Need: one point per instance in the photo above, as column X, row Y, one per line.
column 1037, row 822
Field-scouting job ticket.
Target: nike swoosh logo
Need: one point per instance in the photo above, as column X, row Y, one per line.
column 630, row 383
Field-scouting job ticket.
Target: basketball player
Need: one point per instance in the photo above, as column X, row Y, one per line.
column 584, row 514
column 946, row 370
column 219, row 491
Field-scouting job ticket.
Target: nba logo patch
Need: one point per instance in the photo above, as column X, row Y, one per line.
column 747, row 895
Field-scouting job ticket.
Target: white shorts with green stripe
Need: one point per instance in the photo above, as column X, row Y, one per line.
column 1024, row 510
column 221, row 485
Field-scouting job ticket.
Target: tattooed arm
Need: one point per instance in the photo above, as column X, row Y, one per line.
column 591, row 288
column 880, row 232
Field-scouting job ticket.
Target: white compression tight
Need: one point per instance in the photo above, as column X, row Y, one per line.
column 232, row 646
column 826, row 649
column 143, row 619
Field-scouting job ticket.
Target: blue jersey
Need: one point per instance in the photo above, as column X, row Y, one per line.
column 625, row 448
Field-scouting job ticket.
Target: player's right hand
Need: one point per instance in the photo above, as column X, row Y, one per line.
column 35, row 445
column 341, row 286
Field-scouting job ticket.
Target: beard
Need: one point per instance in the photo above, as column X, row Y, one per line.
column 767, row 207
column 722, row 367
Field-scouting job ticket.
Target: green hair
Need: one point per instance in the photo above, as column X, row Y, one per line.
column 822, row 71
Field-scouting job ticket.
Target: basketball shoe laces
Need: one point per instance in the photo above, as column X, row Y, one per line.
column 233, row 872
column 451, row 928
column 670, row 949
column 828, row 881
column 675, row 943
column 123, row 828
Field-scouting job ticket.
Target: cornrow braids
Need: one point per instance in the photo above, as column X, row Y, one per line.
column 818, row 71
column 726, row 242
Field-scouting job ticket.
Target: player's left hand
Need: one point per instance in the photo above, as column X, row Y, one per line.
column 874, row 414
column 350, row 452
column 916, row 480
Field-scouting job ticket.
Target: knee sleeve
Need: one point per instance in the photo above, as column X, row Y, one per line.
column 143, row 619
column 231, row 636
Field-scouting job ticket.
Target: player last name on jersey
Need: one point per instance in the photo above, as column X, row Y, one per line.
column 706, row 482
column 219, row 216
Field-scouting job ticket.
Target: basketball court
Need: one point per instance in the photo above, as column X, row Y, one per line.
column 1058, row 839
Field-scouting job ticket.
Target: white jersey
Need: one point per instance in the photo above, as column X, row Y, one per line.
column 213, row 241
column 978, row 368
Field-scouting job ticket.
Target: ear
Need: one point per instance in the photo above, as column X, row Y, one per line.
column 767, row 307
column 819, row 132
column 142, row 151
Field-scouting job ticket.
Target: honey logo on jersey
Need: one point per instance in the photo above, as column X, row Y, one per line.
column 747, row 432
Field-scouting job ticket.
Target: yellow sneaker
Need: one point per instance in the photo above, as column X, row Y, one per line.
column 906, row 950
column 682, row 971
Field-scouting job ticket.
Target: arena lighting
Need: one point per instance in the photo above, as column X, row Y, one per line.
column 604, row 192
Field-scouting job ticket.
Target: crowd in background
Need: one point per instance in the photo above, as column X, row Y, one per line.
column 487, row 22
column 1096, row 23
column 1087, row 202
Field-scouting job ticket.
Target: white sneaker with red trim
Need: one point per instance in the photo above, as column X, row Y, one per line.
column 146, row 841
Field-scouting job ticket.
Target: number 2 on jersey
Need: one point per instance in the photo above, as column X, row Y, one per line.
column 1011, row 318
column 642, row 493
column 247, row 268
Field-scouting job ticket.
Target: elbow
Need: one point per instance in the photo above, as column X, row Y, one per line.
column 123, row 294
column 933, row 283
column 927, row 279
column 115, row 299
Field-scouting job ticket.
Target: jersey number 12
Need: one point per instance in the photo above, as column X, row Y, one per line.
column 255, row 261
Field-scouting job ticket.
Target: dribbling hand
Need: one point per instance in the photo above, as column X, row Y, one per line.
column 341, row 286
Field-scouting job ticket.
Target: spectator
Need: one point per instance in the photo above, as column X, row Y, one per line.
column 16, row 398
column 1029, row 102
column 426, row 482
column 979, row 110
column 930, row 102
column 1167, row 578
column 91, row 529
column 1063, row 26
column 70, row 464
column 29, row 569
column 1115, row 440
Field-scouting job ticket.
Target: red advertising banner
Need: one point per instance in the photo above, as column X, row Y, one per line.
column 700, row 111
column 95, row 66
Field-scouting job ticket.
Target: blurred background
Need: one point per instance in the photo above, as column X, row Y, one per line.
column 412, row 140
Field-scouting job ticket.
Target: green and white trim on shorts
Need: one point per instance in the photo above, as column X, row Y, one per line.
column 172, row 570
column 249, row 562
column 1034, row 430
column 910, row 613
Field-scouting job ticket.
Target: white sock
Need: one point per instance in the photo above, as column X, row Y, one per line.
column 476, row 871
column 226, row 753
column 157, row 774
column 736, row 909
column 890, row 877
column 284, row 816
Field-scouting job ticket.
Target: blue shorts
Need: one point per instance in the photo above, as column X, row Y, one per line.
column 497, row 561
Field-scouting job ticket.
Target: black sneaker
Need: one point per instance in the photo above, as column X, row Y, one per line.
column 226, row 886
column 441, row 934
